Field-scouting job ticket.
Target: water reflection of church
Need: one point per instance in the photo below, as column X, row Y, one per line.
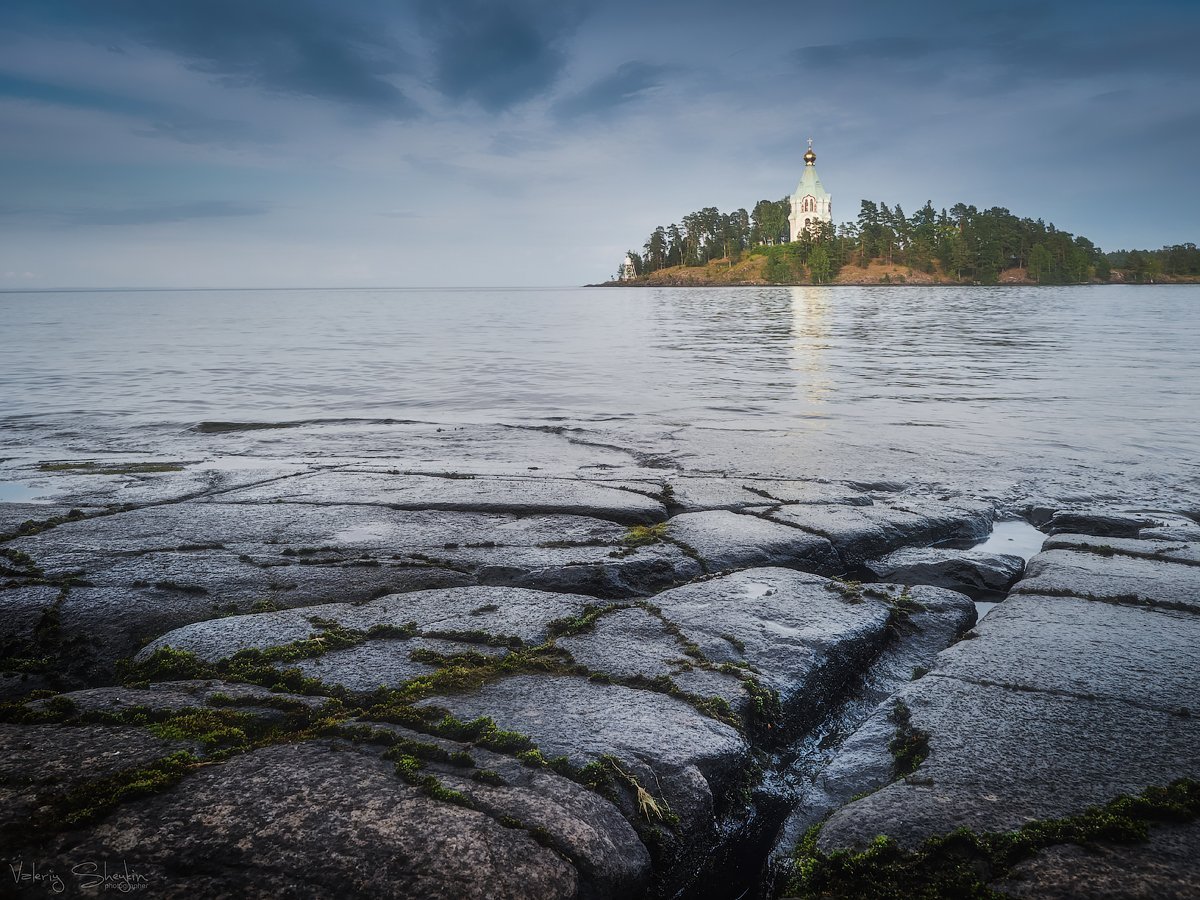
column 811, row 203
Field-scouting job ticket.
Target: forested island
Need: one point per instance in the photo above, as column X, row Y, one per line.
column 962, row 245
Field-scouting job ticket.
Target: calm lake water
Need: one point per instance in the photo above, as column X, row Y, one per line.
column 1066, row 379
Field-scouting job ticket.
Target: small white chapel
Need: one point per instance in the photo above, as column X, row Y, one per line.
column 811, row 203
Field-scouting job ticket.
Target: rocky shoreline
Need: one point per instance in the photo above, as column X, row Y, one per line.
column 357, row 679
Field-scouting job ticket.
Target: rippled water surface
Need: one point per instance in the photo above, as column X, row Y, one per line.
column 1078, row 376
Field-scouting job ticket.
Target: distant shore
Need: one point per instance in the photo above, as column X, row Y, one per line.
column 748, row 272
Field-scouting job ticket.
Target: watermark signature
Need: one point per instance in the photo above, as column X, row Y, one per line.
column 89, row 875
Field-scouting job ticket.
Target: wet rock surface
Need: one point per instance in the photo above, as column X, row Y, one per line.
column 595, row 681
column 1080, row 688
column 969, row 570
column 861, row 532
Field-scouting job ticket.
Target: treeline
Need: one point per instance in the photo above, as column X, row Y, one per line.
column 964, row 242
column 709, row 234
column 1178, row 260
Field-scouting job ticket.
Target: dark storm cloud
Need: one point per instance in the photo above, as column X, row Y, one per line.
column 161, row 213
column 498, row 54
column 629, row 81
column 1014, row 54
column 309, row 48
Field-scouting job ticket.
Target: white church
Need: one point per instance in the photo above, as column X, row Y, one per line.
column 811, row 203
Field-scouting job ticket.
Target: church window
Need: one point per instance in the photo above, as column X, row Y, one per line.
column 808, row 204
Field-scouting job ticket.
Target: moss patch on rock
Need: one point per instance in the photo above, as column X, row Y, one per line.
column 962, row 864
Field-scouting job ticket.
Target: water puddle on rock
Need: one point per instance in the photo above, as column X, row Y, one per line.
column 1016, row 537
column 19, row 492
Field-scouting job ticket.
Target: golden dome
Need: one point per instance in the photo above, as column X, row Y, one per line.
column 810, row 158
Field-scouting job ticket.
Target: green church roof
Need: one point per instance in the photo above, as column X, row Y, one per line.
column 810, row 184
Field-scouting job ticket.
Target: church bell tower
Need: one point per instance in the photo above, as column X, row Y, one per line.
column 811, row 203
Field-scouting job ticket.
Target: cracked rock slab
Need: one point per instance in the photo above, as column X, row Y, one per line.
column 381, row 663
column 693, row 494
column 999, row 758
column 676, row 753
column 970, row 570
column 173, row 696
column 1079, row 647
column 861, row 532
column 803, row 636
column 371, row 834
column 632, row 643
column 1161, row 549
column 493, row 611
column 1113, row 578
column 577, row 822
column 521, row 496
column 1163, row 868
column 1100, row 523
column 242, row 551
column 43, row 763
column 726, row 540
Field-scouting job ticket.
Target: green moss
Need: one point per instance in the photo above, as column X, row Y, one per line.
column 36, row 526
column 645, row 535
column 584, row 622
column 98, row 796
column 962, row 864
column 18, row 564
column 477, row 636
column 900, row 614
column 909, row 746
column 89, row 467
column 765, row 713
column 489, row 776
column 850, row 591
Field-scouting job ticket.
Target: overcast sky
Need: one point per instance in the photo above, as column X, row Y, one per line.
column 530, row 142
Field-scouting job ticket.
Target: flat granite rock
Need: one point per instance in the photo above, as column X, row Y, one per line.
column 1163, row 868
column 500, row 612
column 971, row 570
column 106, row 482
column 488, row 494
column 1055, row 705
column 173, row 696
column 1115, row 578
column 673, row 750
column 697, row 494
column 381, row 663
column 577, row 822
column 632, row 643
column 804, row 636
column 16, row 516
column 861, row 532
column 726, row 540
column 332, row 819
column 1158, row 548
column 243, row 551
column 1189, row 532
column 999, row 758
column 42, row 763
column 1100, row 523
column 1084, row 648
